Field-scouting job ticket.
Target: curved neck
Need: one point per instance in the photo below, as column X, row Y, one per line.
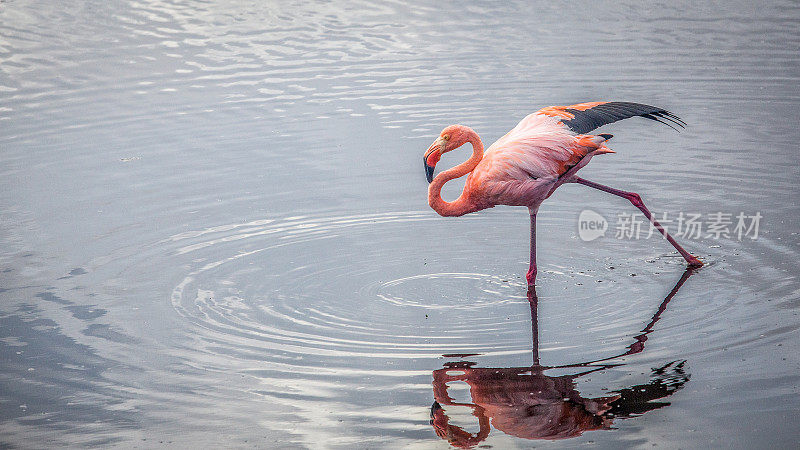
column 462, row 205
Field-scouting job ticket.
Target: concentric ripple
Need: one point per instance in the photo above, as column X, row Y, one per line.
column 319, row 286
column 486, row 290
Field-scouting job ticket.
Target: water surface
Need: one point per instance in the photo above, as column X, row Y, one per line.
column 214, row 228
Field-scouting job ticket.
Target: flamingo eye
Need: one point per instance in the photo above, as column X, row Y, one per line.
column 446, row 137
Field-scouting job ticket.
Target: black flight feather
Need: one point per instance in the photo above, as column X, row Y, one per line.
column 605, row 113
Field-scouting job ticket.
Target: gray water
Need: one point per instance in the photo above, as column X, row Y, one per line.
column 214, row 229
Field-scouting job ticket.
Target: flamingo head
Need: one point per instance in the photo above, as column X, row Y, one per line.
column 449, row 139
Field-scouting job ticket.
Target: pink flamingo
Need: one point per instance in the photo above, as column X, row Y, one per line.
column 523, row 168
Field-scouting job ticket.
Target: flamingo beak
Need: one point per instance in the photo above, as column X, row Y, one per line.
column 431, row 157
column 428, row 169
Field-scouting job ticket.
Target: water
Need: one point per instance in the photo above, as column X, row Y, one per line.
column 214, row 228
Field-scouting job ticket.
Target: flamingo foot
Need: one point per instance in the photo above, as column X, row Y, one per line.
column 694, row 261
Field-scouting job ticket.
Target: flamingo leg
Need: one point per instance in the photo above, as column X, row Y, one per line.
column 636, row 200
column 533, row 301
column 531, row 275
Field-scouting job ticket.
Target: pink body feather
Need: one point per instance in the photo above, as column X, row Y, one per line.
column 524, row 167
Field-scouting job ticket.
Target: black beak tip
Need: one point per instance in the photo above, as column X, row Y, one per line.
column 429, row 171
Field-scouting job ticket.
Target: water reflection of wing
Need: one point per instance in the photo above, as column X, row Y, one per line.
column 526, row 403
column 637, row 400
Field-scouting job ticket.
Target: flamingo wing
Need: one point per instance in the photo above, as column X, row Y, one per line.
column 585, row 117
column 525, row 166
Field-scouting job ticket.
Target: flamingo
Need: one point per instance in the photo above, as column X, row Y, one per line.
column 523, row 168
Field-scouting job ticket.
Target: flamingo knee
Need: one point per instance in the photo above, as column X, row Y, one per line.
column 635, row 199
column 531, row 276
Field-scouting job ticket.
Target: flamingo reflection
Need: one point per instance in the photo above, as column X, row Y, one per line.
column 526, row 403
